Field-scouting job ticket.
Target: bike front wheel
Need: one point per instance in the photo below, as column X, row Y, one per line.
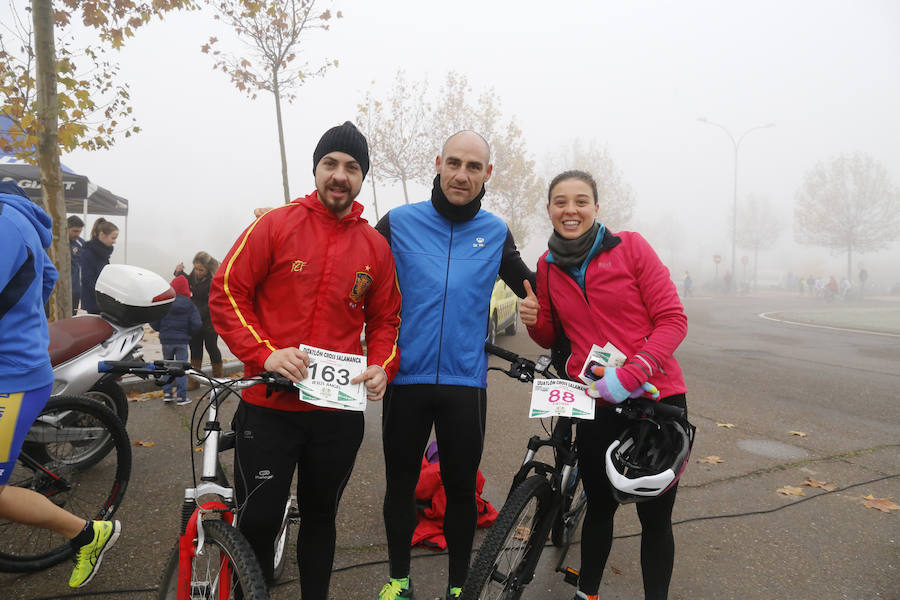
column 506, row 561
column 76, row 454
column 226, row 569
column 569, row 516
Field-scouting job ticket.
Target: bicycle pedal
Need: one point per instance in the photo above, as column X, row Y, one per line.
column 571, row 576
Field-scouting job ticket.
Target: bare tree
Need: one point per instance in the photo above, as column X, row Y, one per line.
column 616, row 197
column 398, row 131
column 273, row 30
column 758, row 227
column 847, row 205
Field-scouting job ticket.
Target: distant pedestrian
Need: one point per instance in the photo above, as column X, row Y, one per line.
column 175, row 331
column 94, row 256
column 863, row 277
column 688, row 285
column 75, row 226
column 200, row 277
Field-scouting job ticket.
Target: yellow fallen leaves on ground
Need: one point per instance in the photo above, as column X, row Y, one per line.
column 790, row 490
column 883, row 504
column 725, row 425
column 711, row 460
column 144, row 444
column 797, row 433
column 828, row 487
column 138, row 397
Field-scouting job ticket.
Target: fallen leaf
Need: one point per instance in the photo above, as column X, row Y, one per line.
column 882, row 504
column 828, row 487
column 797, row 433
column 725, row 425
column 158, row 394
column 615, row 571
column 144, row 444
column 133, row 395
column 522, row 532
column 712, row 460
column 790, row 490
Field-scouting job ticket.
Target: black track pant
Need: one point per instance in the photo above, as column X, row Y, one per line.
column 270, row 443
column 657, row 540
column 208, row 337
column 457, row 413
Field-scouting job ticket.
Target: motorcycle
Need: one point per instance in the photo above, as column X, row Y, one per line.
column 128, row 297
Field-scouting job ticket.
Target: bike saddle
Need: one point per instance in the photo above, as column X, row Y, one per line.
column 70, row 337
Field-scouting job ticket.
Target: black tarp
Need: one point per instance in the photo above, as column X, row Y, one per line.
column 77, row 188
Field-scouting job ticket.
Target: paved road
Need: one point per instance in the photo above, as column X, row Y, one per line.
column 764, row 377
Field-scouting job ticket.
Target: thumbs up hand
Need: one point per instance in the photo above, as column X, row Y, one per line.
column 529, row 307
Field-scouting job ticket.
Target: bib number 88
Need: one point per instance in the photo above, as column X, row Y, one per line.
column 557, row 396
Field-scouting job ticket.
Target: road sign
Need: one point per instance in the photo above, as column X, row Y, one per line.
column 717, row 258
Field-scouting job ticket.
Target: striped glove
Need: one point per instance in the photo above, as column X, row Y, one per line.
column 610, row 389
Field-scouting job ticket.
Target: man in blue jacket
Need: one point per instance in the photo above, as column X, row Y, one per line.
column 448, row 252
column 26, row 279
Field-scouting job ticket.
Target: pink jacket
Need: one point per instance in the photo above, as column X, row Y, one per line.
column 629, row 300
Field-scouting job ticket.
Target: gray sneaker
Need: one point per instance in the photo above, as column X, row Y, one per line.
column 183, row 401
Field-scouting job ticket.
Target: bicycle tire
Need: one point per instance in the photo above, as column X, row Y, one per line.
column 506, row 561
column 221, row 540
column 88, row 477
column 561, row 534
column 113, row 396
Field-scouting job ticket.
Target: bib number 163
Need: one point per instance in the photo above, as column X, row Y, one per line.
column 329, row 374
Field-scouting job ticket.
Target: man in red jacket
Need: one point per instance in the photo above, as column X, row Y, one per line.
column 310, row 272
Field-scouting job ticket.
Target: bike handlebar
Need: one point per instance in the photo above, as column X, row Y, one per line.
column 175, row 368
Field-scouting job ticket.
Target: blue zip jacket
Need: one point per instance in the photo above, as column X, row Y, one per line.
column 446, row 271
column 180, row 323
column 26, row 279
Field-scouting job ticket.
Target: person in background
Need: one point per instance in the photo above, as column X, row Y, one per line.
column 94, row 256
column 200, row 278
column 76, row 244
column 598, row 288
column 176, row 330
column 688, row 285
column 26, row 378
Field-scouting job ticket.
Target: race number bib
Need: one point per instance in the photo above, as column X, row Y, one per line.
column 327, row 383
column 560, row 398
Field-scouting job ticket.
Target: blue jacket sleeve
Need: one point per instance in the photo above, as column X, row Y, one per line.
column 50, row 277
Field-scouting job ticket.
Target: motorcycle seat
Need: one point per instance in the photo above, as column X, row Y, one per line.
column 70, row 337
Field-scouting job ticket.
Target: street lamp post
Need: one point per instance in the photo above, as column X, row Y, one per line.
column 737, row 145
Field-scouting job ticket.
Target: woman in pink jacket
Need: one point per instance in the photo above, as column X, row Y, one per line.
column 599, row 288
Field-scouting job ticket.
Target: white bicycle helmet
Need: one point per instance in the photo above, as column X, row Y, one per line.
column 648, row 458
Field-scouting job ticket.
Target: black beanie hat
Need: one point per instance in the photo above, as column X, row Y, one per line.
column 344, row 138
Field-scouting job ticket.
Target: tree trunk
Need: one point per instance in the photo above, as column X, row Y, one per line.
column 405, row 194
column 284, row 176
column 48, row 155
column 374, row 196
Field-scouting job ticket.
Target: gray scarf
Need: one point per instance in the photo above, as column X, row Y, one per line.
column 571, row 253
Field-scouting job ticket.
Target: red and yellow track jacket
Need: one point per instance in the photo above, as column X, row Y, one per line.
column 298, row 275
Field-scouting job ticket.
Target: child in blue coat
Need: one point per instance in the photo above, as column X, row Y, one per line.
column 176, row 329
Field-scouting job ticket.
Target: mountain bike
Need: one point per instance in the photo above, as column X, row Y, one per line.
column 545, row 500
column 78, row 455
column 212, row 560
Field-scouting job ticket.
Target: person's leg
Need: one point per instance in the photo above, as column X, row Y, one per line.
column 168, row 353
column 657, row 544
column 266, row 448
column 405, row 427
column 327, row 457
column 459, row 426
column 592, row 439
column 25, row 506
column 180, row 352
column 210, row 339
column 196, row 347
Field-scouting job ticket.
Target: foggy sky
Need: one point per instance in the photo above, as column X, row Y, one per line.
column 634, row 76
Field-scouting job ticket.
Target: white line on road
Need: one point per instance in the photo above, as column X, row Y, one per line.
column 771, row 318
